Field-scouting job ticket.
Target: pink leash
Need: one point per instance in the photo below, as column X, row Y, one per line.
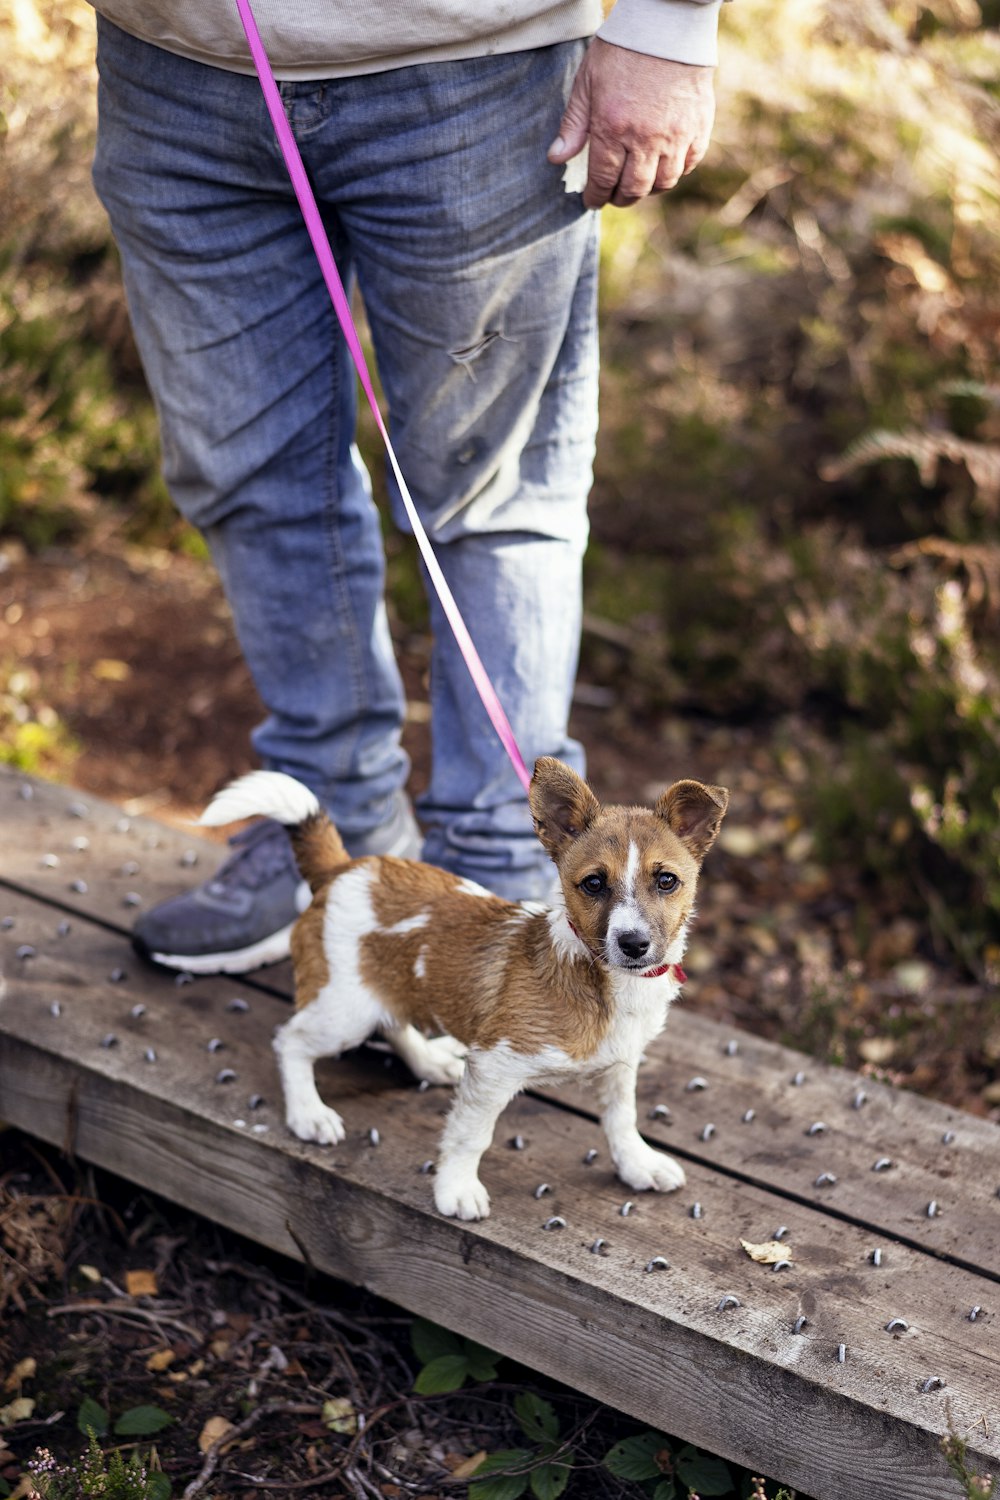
column 321, row 245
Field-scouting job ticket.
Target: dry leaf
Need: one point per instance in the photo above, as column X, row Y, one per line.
column 214, row 1429
column 468, row 1466
column 339, row 1415
column 195, row 1369
column 107, row 669
column 768, row 1253
column 160, row 1360
column 141, row 1284
column 24, row 1370
column 221, row 1347
column 18, row 1411
column 89, row 1273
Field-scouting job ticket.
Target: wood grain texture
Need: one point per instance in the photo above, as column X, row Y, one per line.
column 741, row 1383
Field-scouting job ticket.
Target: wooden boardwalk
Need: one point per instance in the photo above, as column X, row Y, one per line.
column 796, row 1375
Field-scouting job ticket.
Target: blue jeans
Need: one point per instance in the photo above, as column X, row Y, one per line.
column 478, row 274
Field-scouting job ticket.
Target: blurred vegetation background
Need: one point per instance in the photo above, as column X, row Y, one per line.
column 795, row 515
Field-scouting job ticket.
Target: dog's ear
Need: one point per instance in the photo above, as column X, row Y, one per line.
column 562, row 804
column 694, row 812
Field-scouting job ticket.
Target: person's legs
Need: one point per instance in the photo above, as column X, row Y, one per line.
column 479, row 278
column 256, row 399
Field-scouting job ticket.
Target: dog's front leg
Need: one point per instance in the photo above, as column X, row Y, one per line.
column 637, row 1164
column 485, row 1090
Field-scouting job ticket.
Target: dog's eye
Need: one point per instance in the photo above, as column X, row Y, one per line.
column 666, row 882
column 593, row 884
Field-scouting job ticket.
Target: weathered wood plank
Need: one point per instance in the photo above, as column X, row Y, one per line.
column 962, row 1176
column 655, row 1344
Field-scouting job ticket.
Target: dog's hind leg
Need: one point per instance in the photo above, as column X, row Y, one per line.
column 323, row 1028
column 440, row 1059
column 637, row 1164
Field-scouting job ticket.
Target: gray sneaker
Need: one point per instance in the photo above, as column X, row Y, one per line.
column 242, row 918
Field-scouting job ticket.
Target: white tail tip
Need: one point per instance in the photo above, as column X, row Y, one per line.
column 266, row 794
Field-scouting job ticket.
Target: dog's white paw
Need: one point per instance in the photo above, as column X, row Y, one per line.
column 443, row 1061
column 460, row 1196
column 650, row 1171
column 322, row 1125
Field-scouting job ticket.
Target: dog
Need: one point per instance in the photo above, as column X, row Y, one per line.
column 516, row 994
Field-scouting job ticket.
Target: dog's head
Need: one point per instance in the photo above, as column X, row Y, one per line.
column 628, row 874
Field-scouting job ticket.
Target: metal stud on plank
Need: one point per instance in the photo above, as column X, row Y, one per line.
column 64, row 929
column 696, row 1211
column 933, row 1209
column 731, row 1048
column 948, row 1138
column 748, row 1116
column 215, row 1045
column 183, row 978
column 225, row 1075
column 137, row 1011
column 933, row 1383
column 695, row 1084
column 110, row 1040
column 841, row 1354
column 374, row 1139
column 816, row 1128
column 516, row 1143
column 974, row 1313
column 149, row 1055
column 599, row 1247
column 897, row 1325
column 55, row 1009
column 425, row 1168
column 79, row 887
column 707, row 1132
column 798, row 1080
column 542, row 1189
column 556, row 1222
column 626, row 1208
column 658, row 1263
column 591, row 1157
column 660, row 1112
column 727, row 1303
column 883, row 1164
column 255, row 1101
column 238, row 1005
column 800, row 1322
column 780, row 1232
column 782, row 1265
column 875, row 1256
column 860, row 1099
column 132, row 898
column 825, row 1179
column 25, row 952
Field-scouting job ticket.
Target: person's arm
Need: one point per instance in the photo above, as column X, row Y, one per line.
column 643, row 98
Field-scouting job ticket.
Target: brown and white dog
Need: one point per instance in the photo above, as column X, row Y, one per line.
column 516, row 994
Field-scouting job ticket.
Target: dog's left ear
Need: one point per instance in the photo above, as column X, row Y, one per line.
column 694, row 812
column 561, row 803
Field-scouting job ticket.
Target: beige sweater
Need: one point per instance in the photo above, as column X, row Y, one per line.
column 332, row 39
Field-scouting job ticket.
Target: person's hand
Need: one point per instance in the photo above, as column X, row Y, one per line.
column 648, row 121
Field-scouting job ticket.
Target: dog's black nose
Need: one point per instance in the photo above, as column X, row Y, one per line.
column 633, row 944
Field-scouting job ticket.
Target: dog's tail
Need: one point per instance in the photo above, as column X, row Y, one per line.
column 319, row 849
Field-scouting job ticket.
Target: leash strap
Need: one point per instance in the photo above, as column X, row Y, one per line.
column 321, row 245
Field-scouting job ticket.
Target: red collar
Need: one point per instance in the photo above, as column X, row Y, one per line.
column 674, row 970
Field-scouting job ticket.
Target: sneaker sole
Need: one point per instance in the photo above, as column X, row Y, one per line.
column 270, row 950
